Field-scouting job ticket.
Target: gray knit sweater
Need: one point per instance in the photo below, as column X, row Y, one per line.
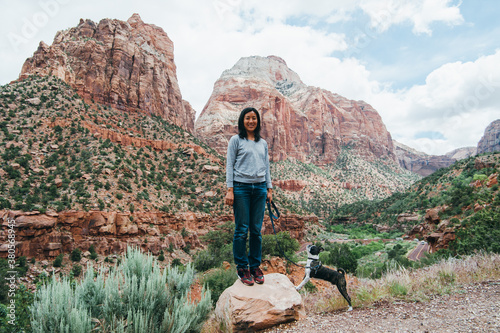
column 247, row 162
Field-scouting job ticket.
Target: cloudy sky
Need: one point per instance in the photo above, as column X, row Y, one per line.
column 431, row 68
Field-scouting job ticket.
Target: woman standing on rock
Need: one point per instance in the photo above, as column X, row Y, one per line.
column 248, row 181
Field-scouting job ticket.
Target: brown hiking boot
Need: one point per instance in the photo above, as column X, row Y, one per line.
column 245, row 276
column 257, row 274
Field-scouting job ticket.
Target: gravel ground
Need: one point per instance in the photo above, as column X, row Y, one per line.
column 476, row 308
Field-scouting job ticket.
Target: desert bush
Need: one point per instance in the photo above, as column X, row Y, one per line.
column 481, row 232
column 364, row 250
column 76, row 270
column 341, row 256
column 219, row 280
column 205, row 260
column 76, row 255
column 273, row 245
column 136, row 296
column 23, row 300
column 58, row 260
column 219, row 248
column 213, row 257
column 161, row 256
column 93, row 253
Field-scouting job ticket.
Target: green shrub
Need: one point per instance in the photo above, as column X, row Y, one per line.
column 76, row 255
column 177, row 263
column 372, row 270
column 481, row 232
column 398, row 289
column 137, row 296
column 219, row 248
column 310, row 287
column 23, row 300
column 219, row 280
column 76, row 270
column 93, row 253
column 287, row 244
column 58, row 261
column 341, row 256
column 205, row 260
column 364, row 250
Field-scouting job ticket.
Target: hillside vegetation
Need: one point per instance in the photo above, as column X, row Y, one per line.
column 465, row 194
column 58, row 152
column 348, row 180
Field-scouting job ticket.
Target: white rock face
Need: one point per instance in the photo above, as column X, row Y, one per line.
column 271, row 69
column 247, row 308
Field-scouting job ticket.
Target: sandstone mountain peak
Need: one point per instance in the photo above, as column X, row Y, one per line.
column 298, row 121
column 128, row 65
column 135, row 19
column 271, row 69
column 490, row 141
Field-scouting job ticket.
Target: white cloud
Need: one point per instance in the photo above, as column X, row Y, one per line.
column 298, row 46
column 458, row 100
column 420, row 13
column 281, row 10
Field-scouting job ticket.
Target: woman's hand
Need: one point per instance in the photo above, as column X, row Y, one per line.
column 229, row 199
column 269, row 195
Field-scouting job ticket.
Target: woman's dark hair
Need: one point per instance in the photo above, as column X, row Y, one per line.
column 241, row 127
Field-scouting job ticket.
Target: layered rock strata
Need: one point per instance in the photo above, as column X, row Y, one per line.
column 45, row 235
column 127, row 65
column 298, row 121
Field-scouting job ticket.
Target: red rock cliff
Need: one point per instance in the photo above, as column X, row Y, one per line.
column 128, row 65
column 299, row 121
column 47, row 235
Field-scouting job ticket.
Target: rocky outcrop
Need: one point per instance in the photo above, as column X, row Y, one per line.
column 490, row 141
column 127, row 65
column 425, row 165
column 484, row 161
column 247, row 309
column 419, row 162
column 128, row 140
column 438, row 233
column 462, row 153
column 298, row 121
column 292, row 185
column 294, row 224
column 46, row 235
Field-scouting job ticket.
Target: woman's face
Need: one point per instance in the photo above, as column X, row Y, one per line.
column 250, row 122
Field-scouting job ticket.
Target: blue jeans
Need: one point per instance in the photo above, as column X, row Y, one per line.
column 249, row 208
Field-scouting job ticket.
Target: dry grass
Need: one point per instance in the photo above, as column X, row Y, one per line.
column 442, row 278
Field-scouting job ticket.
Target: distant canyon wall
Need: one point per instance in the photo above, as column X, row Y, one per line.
column 306, row 123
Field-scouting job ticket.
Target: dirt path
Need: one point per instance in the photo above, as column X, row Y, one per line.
column 476, row 308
